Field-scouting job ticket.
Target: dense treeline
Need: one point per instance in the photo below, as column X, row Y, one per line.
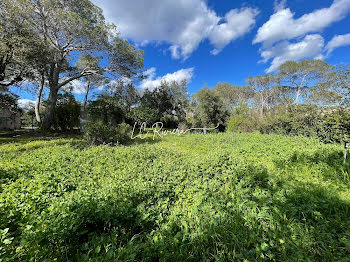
column 309, row 98
column 52, row 43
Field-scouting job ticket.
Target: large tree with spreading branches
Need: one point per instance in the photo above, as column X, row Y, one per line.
column 71, row 28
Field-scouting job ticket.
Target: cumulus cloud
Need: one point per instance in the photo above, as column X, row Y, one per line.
column 279, row 5
column 78, row 87
column 283, row 26
column 338, row 41
column 281, row 35
column 26, row 103
column 237, row 23
column 152, row 81
column 310, row 47
column 183, row 24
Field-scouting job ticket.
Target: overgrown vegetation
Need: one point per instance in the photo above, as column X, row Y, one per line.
column 272, row 186
column 243, row 197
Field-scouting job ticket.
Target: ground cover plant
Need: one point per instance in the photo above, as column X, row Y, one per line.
column 217, row 197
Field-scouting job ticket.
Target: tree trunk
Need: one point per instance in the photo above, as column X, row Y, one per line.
column 261, row 112
column 297, row 96
column 50, row 108
column 86, row 95
column 37, row 104
column 262, row 104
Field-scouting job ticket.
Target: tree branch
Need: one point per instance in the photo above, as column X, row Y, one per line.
column 85, row 72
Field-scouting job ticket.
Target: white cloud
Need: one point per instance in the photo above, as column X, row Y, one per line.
column 283, row 26
column 237, row 23
column 284, row 37
column 78, row 87
column 152, row 82
column 310, row 47
column 279, row 5
column 26, row 103
column 338, row 41
column 183, row 23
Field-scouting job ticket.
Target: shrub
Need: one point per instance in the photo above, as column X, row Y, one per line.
column 124, row 133
column 170, row 121
column 98, row 133
column 142, row 115
column 329, row 125
column 242, row 120
column 67, row 112
column 106, row 108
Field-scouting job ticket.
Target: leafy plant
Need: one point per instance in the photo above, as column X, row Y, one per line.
column 98, row 133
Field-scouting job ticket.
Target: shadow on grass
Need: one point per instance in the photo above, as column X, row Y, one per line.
column 330, row 163
column 260, row 218
column 317, row 221
column 25, row 136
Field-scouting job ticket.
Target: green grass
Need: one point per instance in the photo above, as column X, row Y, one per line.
column 225, row 197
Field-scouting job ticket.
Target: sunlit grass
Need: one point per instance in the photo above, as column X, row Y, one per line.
column 180, row 198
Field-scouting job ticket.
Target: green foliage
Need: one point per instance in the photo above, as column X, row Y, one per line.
column 193, row 198
column 242, row 120
column 98, row 133
column 8, row 100
column 106, row 108
column 233, row 95
column 29, row 120
column 168, row 101
column 142, row 115
column 67, row 112
column 329, row 125
column 210, row 110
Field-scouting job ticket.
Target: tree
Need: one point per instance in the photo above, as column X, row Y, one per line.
column 8, row 100
column 342, row 83
column 16, row 45
column 75, row 26
column 91, row 81
column 168, row 101
column 23, row 55
column 263, row 86
column 108, row 109
column 234, row 95
column 67, row 112
column 126, row 92
column 159, row 100
column 142, row 115
column 302, row 76
column 178, row 92
column 210, row 110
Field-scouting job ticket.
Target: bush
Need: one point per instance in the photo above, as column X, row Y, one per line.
column 98, row 133
column 329, row 125
column 242, row 120
column 67, row 112
column 124, row 132
column 142, row 115
column 106, row 108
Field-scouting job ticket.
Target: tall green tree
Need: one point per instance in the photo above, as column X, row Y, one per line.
column 126, row 92
column 304, row 77
column 159, row 99
column 92, row 81
column 342, row 83
column 75, row 26
column 264, row 90
column 210, row 110
column 234, row 95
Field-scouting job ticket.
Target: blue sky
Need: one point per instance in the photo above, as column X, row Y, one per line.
column 210, row 41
